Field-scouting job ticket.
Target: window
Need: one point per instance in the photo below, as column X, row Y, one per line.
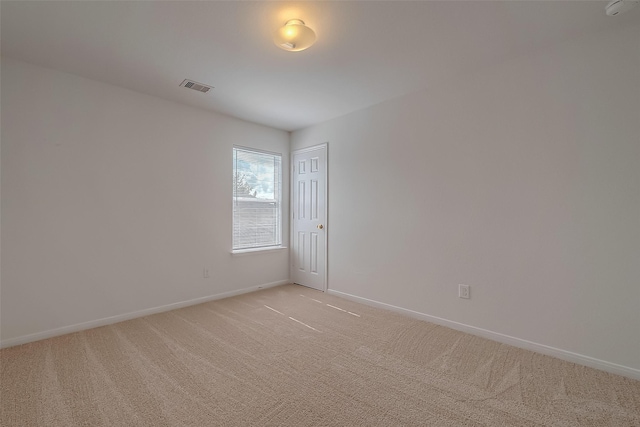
column 257, row 193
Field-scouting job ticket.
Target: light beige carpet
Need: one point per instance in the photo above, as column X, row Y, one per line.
column 291, row 356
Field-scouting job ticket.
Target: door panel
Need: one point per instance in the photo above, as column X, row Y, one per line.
column 314, row 199
column 313, row 256
column 301, row 199
column 309, row 245
column 300, row 250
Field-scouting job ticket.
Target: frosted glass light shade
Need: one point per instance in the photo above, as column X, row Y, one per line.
column 294, row 36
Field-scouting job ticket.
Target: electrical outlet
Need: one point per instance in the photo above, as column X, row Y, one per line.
column 464, row 291
column 205, row 273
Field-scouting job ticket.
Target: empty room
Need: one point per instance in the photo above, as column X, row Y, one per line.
column 320, row 213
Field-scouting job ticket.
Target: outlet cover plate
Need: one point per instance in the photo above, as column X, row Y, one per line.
column 464, row 291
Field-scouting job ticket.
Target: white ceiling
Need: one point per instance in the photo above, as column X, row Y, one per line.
column 366, row 52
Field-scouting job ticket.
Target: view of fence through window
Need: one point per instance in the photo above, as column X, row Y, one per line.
column 257, row 187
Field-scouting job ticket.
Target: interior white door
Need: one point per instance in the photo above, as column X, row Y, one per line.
column 309, row 217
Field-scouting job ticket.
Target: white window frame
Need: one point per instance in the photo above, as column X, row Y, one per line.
column 277, row 244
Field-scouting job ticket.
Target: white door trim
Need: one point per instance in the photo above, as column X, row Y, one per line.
column 324, row 145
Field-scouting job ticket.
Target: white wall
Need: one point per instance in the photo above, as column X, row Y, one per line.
column 522, row 181
column 114, row 202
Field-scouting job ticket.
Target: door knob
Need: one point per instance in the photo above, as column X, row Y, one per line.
column 320, row 226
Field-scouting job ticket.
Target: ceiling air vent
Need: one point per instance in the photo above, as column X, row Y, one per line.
column 196, row 86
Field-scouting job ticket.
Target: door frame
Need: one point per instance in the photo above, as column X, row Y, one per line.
column 325, row 145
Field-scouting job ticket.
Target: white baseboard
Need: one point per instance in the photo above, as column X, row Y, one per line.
column 128, row 316
column 502, row 338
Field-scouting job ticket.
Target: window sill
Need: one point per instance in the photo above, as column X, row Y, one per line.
column 257, row 250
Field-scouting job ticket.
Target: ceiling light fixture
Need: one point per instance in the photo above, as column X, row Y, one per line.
column 294, row 36
column 617, row 7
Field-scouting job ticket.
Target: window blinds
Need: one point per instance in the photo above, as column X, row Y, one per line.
column 257, row 188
